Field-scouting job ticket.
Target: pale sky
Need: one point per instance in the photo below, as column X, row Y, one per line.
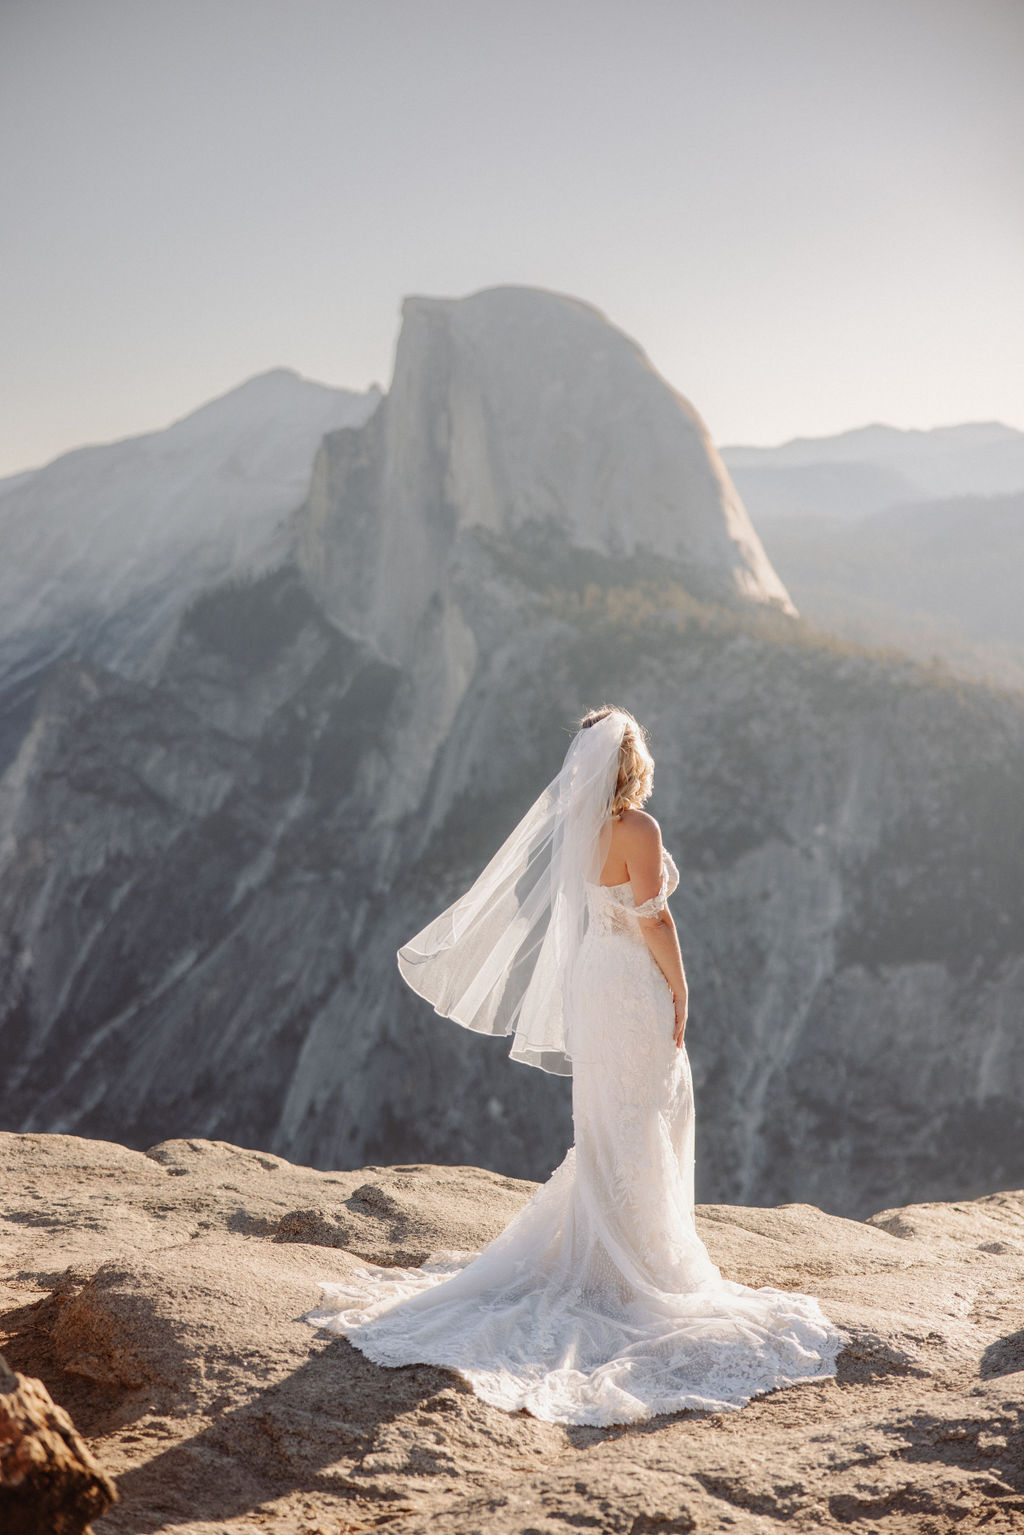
column 810, row 213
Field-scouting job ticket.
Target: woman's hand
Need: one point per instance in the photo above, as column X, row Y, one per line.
column 679, row 1028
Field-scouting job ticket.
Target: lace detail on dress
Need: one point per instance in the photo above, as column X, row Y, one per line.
column 599, row 1303
column 612, row 908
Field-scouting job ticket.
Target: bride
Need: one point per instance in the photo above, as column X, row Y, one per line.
column 598, row 1303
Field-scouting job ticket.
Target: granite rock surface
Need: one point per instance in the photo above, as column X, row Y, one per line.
column 158, row 1295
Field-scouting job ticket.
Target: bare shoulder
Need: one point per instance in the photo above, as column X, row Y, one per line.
column 641, row 830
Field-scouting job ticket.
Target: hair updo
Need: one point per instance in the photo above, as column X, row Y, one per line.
column 636, row 765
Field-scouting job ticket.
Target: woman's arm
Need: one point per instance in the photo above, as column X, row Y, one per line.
column 644, row 865
column 663, row 941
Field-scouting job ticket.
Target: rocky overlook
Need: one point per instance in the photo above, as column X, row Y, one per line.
column 159, row 1296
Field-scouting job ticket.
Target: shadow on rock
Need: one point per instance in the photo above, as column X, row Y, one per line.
column 312, row 1431
column 865, row 1358
column 993, row 1443
column 1003, row 1357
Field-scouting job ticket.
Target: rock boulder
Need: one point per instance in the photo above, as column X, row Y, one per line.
column 50, row 1482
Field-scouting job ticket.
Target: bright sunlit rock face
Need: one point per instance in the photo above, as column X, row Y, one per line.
column 513, row 408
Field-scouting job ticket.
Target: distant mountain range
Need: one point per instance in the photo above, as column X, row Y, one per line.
column 908, row 540
column 103, row 548
column 277, row 744
column 866, row 470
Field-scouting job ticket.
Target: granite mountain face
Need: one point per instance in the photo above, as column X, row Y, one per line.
column 207, row 872
column 513, row 410
column 104, row 548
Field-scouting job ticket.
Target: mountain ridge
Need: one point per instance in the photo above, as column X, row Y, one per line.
column 247, row 388
column 105, row 545
column 207, row 869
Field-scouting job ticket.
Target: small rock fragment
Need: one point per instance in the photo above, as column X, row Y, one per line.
column 50, row 1483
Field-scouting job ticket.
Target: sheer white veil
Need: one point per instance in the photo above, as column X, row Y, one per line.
column 501, row 959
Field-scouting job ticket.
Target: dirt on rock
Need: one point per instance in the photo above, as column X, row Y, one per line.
column 159, row 1297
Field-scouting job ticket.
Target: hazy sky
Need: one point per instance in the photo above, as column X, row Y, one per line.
column 810, row 213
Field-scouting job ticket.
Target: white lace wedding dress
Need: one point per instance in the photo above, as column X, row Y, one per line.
column 599, row 1303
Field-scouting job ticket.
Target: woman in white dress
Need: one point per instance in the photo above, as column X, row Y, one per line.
column 598, row 1303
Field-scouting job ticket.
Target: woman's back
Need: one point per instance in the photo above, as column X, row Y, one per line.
column 634, row 854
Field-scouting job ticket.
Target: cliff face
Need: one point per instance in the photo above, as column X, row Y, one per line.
column 508, row 409
column 206, row 887
column 205, row 879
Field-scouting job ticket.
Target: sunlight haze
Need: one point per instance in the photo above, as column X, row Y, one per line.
column 810, row 214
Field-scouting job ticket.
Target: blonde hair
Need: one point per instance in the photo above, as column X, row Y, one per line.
column 636, row 765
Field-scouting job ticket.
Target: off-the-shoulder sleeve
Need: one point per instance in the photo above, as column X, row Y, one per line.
column 657, row 902
column 669, row 881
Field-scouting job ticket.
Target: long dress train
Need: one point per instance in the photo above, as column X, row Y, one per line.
column 599, row 1303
